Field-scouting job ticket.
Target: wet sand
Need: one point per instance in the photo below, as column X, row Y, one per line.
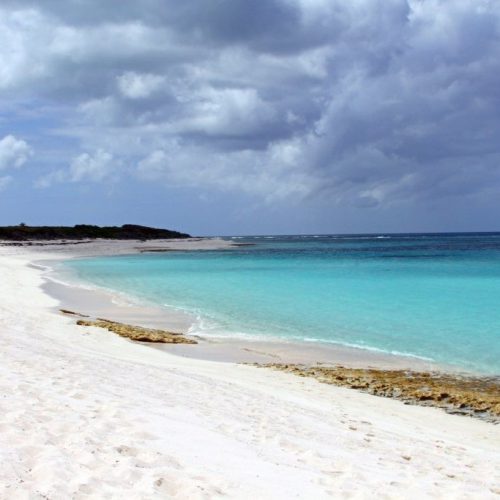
column 411, row 380
column 98, row 303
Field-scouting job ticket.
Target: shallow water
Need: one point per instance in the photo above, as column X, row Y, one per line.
column 427, row 295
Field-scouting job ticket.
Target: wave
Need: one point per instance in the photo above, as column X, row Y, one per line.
column 205, row 328
column 369, row 348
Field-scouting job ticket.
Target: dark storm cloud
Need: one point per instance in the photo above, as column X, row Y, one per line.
column 364, row 102
column 272, row 25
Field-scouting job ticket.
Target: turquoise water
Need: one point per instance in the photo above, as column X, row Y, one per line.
column 430, row 296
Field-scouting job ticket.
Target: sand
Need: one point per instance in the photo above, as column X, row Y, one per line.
column 88, row 414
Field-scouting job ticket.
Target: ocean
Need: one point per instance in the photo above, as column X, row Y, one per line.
column 430, row 296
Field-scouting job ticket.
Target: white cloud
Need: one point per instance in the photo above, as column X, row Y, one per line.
column 56, row 176
column 13, row 152
column 233, row 112
column 91, row 167
column 154, row 166
column 269, row 174
column 137, row 86
column 4, row 181
column 362, row 102
column 83, row 168
column 23, row 33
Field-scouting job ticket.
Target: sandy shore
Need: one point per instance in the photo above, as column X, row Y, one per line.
column 85, row 413
column 100, row 303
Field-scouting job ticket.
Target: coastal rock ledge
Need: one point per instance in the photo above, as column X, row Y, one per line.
column 138, row 333
column 457, row 394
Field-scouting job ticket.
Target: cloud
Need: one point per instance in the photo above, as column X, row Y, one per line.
column 84, row 167
column 366, row 102
column 13, row 152
column 96, row 167
column 4, row 181
column 136, row 86
column 53, row 177
column 259, row 173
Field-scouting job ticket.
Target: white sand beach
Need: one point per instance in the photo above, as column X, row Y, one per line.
column 87, row 414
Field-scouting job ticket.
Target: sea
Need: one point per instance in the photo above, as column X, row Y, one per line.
column 429, row 296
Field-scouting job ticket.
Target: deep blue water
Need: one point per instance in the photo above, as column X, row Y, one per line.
column 435, row 296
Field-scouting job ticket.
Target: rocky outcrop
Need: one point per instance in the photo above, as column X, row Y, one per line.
column 73, row 313
column 138, row 333
column 465, row 395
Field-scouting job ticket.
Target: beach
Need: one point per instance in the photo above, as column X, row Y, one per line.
column 89, row 414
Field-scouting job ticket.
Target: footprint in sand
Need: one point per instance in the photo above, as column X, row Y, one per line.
column 126, row 451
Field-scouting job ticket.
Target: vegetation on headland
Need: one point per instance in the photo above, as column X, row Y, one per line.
column 85, row 231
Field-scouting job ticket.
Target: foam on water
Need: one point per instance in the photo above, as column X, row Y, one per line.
column 430, row 296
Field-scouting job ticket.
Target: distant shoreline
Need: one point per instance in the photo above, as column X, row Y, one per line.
column 22, row 232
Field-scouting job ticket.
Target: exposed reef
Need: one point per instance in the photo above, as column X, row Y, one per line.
column 73, row 313
column 137, row 333
column 456, row 394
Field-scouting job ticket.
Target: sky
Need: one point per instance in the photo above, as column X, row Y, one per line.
column 251, row 117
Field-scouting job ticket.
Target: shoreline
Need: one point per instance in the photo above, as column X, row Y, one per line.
column 412, row 381
column 101, row 303
column 454, row 390
column 110, row 304
column 86, row 412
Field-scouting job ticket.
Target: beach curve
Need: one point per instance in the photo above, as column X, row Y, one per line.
column 85, row 412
